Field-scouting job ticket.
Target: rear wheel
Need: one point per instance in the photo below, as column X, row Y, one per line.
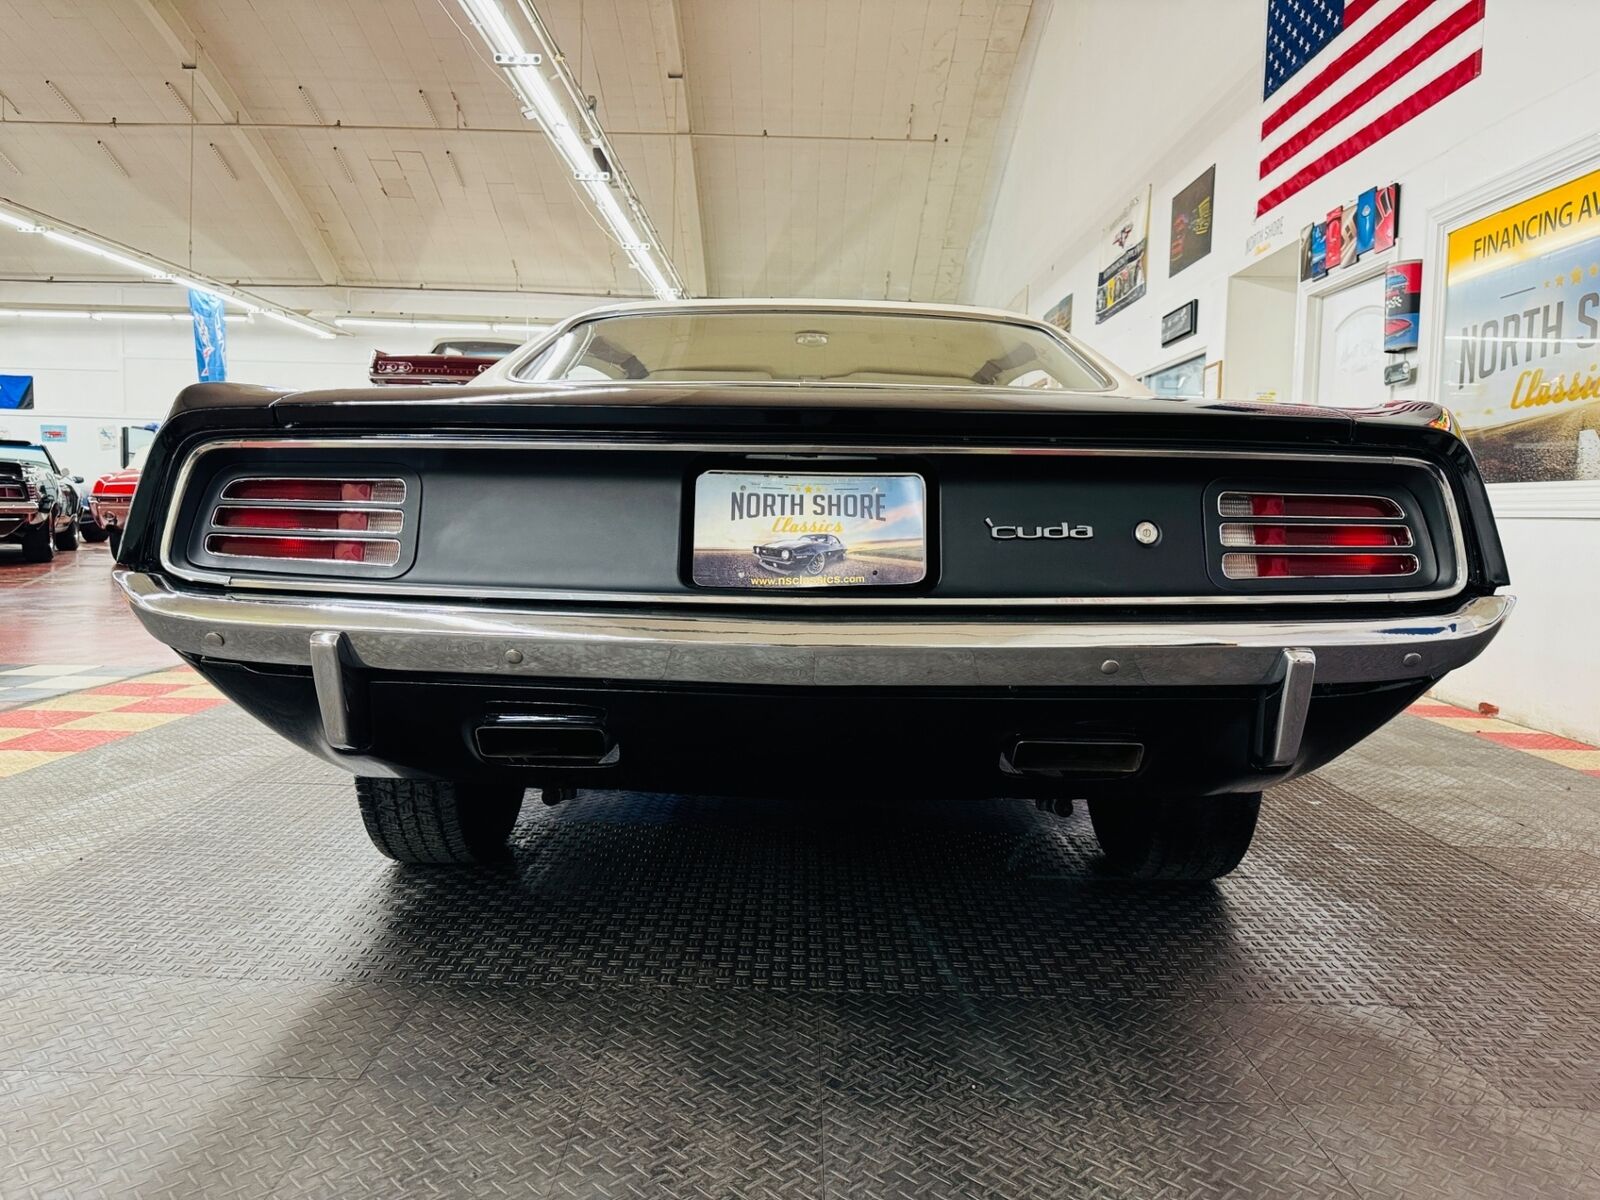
column 438, row 821
column 1175, row 837
column 67, row 539
column 114, row 536
column 95, row 532
column 37, row 544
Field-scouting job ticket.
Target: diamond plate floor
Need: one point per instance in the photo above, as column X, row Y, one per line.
column 210, row 986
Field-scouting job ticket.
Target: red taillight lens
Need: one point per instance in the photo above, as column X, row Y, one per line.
column 1286, row 504
column 383, row 491
column 13, row 491
column 381, row 552
column 357, row 520
column 1311, row 566
column 309, row 519
column 1315, row 535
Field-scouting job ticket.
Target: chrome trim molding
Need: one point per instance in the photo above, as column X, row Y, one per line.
column 399, row 587
column 811, row 651
column 1294, row 705
column 328, row 651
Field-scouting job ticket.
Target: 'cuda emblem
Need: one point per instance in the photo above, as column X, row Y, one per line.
column 1005, row 533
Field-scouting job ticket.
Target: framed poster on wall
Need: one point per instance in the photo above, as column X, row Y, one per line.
column 1124, row 257
column 1191, row 222
column 1060, row 314
column 1522, row 335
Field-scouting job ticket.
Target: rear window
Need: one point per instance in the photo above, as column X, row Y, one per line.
column 816, row 347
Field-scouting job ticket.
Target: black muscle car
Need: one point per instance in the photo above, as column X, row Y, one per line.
column 40, row 505
column 812, row 553
column 1160, row 608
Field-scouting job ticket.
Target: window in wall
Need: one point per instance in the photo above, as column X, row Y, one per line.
column 1180, row 381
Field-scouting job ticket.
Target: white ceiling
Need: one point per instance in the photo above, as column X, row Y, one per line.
column 806, row 147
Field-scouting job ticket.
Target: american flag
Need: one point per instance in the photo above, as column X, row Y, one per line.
column 1344, row 74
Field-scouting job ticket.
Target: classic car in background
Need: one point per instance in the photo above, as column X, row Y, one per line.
column 112, row 496
column 452, row 360
column 811, row 553
column 40, row 504
column 1160, row 608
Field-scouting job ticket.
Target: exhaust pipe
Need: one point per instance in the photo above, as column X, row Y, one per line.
column 546, row 739
column 1069, row 758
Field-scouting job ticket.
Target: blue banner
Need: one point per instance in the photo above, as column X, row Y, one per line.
column 16, row 391
column 210, row 336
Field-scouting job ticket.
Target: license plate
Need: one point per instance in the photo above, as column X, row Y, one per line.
column 777, row 531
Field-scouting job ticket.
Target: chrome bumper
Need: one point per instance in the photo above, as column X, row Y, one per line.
column 110, row 512
column 820, row 651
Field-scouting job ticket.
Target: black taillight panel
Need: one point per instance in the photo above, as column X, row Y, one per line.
column 1017, row 525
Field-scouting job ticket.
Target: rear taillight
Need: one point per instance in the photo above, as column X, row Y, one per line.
column 1311, row 535
column 229, row 516
column 13, row 491
column 380, row 553
column 1306, row 504
column 1315, row 535
column 309, row 519
column 1313, row 566
column 328, row 491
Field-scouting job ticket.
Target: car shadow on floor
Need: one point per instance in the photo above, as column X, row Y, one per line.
column 887, row 895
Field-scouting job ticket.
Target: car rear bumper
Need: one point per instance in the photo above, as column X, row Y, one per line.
column 329, row 672
column 110, row 512
column 824, row 651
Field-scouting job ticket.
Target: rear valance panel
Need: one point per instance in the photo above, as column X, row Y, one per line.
column 1021, row 525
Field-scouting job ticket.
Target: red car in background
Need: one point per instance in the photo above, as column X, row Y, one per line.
column 109, row 501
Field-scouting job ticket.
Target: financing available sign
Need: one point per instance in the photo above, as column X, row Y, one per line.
column 1521, row 363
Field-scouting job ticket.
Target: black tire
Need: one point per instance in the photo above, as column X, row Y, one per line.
column 114, row 536
column 438, row 822
column 95, row 532
column 37, row 544
column 816, row 564
column 67, row 539
column 1175, row 837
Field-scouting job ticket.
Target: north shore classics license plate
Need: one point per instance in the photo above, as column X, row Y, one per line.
column 777, row 531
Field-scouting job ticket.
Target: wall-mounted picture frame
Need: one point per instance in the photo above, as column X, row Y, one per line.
column 1180, row 323
column 1060, row 314
column 1190, row 230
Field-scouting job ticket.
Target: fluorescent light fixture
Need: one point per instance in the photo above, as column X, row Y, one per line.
column 524, row 331
column 293, row 322
column 26, row 220
column 400, row 323
column 45, row 312
column 138, row 316
column 576, row 135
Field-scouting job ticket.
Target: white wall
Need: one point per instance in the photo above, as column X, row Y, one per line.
column 92, row 375
column 1090, row 129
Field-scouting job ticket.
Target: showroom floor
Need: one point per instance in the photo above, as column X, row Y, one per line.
column 210, row 985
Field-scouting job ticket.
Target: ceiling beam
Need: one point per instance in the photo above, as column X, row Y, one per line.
column 688, row 246
column 180, row 39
